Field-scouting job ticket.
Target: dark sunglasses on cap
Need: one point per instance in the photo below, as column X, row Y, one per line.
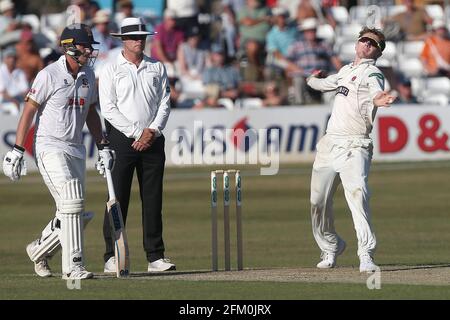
column 372, row 42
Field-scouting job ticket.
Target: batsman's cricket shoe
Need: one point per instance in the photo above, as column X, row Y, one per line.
column 366, row 264
column 110, row 266
column 40, row 267
column 161, row 265
column 78, row 273
column 329, row 259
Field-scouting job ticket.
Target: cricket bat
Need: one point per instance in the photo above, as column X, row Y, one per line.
column 118, row 233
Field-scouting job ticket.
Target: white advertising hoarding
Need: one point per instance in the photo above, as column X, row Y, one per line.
column 198, row 137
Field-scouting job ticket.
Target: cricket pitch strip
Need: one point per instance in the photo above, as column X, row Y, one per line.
column 433, row 275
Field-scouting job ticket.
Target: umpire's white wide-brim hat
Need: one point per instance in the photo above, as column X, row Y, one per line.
column 133, row 27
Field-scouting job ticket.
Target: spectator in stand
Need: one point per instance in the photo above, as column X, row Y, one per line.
column 305, row 56
column 125, row 11
column 279, row 39
column 101, row 32
column 272, row 96
column 94, row 7
column 271, row 3
column 220, row 80
column 412, row 22
column 229, row 24
column 165, row 47
column 435, row 55
column 7, row 17
column 291, row 5
column 13, row 83
column 404, row 91
column 306, row 10
column 316, row 9
column 28, row 58
column 166, row 41
column 192, row 59
column 253, row 27
column 186, row 12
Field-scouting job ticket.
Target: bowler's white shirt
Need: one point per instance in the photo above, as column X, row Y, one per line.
column 133, row 98
column 353, row 109
column 63, row 107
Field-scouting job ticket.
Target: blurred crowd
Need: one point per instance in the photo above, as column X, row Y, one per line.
column 242, row 53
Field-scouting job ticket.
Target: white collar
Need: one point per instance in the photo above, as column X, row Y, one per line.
column 121, row 59
column 364, row 61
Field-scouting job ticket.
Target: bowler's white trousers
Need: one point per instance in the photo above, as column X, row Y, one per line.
column 349, row 157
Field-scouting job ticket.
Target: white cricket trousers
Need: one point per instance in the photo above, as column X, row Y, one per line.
column 64, row 176
column 347, row 158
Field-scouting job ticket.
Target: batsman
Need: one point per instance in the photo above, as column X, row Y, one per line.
column 64, row 97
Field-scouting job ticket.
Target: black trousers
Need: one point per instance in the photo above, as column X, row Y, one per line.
column 149, row 167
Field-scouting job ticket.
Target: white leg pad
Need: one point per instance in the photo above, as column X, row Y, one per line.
column 70, row 207
column 71, row 201
column 49, row 243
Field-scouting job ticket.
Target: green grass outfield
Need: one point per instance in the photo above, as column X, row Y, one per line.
column 410, row 205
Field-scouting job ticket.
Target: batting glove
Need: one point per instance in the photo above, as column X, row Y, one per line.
column 14, row 164
column 106, row 159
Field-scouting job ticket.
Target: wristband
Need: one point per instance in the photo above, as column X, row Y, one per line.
column 102, row 145
column 19, row 148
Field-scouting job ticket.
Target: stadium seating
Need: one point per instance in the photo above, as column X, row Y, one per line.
column 346, row 51
column 411, row 67
column 435, row 11
column 389, row 57
column 227, row 103
column 411, row 49
column 436, row 99
column 358, row 14
column 249, row 103
column 435, row 90
column 447, row 15
column 393, row 10
column 55, row 21
column 340, row 14
column 438, row 85
column 346, row 33
column 326, row 32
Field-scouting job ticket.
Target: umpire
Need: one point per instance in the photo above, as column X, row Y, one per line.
column 134, row 98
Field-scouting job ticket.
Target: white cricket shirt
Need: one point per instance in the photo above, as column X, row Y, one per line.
column 133, row 98
column 353, row 109
column 63, row 107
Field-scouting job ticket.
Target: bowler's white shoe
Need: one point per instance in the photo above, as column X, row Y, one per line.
column 110, row 265
column 161, row 265
column 366, row 264
column 40, row 267
column 78, row 273
column 329, row 259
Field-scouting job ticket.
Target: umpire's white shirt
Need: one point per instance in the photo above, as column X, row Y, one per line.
column 133, row 98
column 63, row 107
column 356, row 86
